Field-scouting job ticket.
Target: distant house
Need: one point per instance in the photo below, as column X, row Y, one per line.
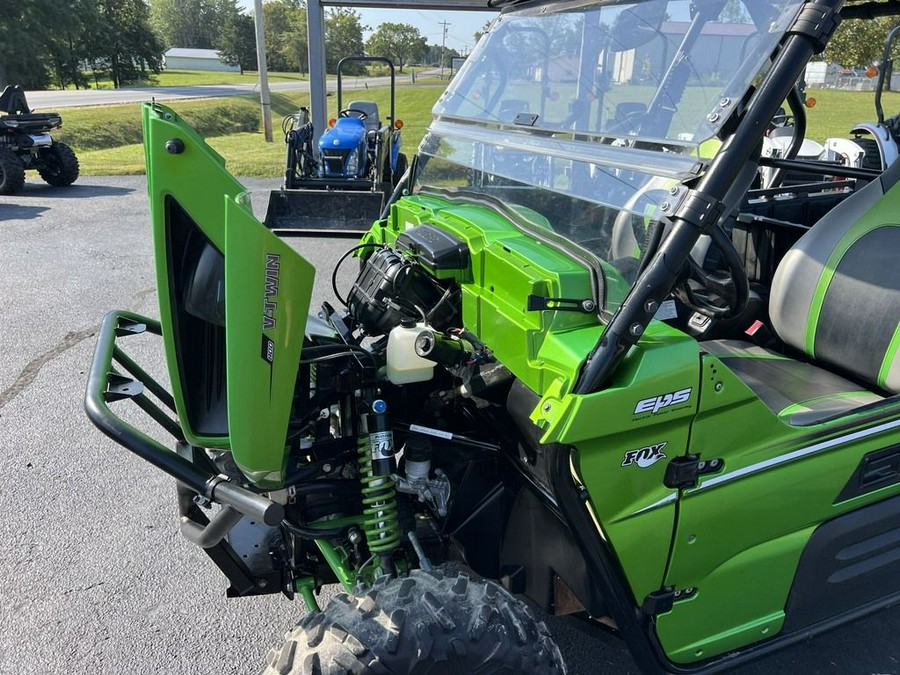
column 179, row 58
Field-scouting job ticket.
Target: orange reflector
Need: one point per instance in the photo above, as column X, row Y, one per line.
column 810, row 102
column 871, row 72
column 331, row 122
column 398, row 124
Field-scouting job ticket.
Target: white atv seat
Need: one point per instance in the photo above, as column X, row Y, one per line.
column 835, row 297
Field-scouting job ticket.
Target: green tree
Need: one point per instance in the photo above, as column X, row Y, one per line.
column 126, row 41
column 859, row 42
column 285, row 36
column 433, row 55
column 237, row 42
column 25, row 32
column 401, row 42
column 734, row 12
column 484, row 29
column 344, row 37
column 191, row 23
column 71, row 43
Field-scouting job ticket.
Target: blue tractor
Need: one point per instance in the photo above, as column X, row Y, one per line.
column 342, row 185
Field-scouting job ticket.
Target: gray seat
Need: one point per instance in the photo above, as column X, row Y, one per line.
column 372, row 121
column 835, row 297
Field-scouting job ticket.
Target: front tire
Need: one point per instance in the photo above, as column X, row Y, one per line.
column 60, row 165
column 424, row 624
column 12, row 172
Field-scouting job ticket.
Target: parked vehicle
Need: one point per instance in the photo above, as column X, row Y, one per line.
column 343, row 184
column 874, row 145
column 584, row 361
column 26, row 144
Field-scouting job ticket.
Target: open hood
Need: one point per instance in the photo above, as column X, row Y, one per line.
column 233, row 379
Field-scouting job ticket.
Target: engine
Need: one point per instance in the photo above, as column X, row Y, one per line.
column 409, row 294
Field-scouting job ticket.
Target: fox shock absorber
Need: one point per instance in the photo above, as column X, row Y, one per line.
column 376, row 458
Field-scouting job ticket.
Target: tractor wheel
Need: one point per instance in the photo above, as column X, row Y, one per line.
column 427, row 624
column 60, row 165
column 12, row 173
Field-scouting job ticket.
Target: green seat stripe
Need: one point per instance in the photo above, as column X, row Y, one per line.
column 804, row 406
column 871, row 221
column 889, row 357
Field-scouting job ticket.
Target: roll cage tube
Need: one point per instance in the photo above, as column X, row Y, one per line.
column 364, row 59
column 700, row 210
column 798, row 110
column 886, row 66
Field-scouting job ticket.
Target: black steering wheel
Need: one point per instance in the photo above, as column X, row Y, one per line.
column 353, row 112
column 720, row 294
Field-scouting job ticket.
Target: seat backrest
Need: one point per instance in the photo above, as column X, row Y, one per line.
column 372, row 121
column 12, row 100
column 836, row 293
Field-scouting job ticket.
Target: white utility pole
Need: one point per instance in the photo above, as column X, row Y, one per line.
column 263, row 73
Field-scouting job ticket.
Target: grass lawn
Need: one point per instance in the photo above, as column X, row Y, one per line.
column 108, row 139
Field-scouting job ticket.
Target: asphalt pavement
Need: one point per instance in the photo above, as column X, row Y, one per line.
column 48, row 99
column 95, row 577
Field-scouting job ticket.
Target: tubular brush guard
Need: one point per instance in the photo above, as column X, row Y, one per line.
column 114, row 377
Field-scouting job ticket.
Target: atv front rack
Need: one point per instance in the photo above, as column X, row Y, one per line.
column 115, row 376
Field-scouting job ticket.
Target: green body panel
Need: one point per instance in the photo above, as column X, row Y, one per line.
column 259, row 394
column 703, row 539
column 267, row 296
column 736, row 538
column 636, row 511
column 751, row 521
column 167, row 175
column 506, row 266
column 545, row 350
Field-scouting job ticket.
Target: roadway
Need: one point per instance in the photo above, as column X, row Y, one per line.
column 50, row 99
column 96, row 577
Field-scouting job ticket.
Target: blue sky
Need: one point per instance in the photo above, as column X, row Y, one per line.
column 460, row 32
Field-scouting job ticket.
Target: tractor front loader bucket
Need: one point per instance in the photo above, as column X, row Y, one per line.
column 329, row 213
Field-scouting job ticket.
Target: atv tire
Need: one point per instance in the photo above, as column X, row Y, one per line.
column 427, row 624
column 12, row 173
column 60, row 165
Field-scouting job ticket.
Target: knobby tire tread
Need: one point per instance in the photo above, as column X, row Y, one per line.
column 425, row 624
column 12, row 173
column 66, row 168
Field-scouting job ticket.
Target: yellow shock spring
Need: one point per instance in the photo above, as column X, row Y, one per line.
column 379, row 499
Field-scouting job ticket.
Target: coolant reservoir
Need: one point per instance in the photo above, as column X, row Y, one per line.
column 403, row 364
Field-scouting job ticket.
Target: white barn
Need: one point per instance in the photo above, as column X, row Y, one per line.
column 179, row 58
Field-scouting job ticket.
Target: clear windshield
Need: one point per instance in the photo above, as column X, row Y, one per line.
column 654, row 70
column 590, row 113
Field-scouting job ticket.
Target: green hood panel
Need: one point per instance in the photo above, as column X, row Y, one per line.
column 266, row 313
column 218, row 266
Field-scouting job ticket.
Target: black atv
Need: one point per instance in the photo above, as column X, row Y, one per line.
column 25, row 143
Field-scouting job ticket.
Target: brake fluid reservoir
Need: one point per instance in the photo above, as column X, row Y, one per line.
column 403, row 364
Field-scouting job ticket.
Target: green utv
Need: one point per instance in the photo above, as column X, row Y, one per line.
column 586, row 361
